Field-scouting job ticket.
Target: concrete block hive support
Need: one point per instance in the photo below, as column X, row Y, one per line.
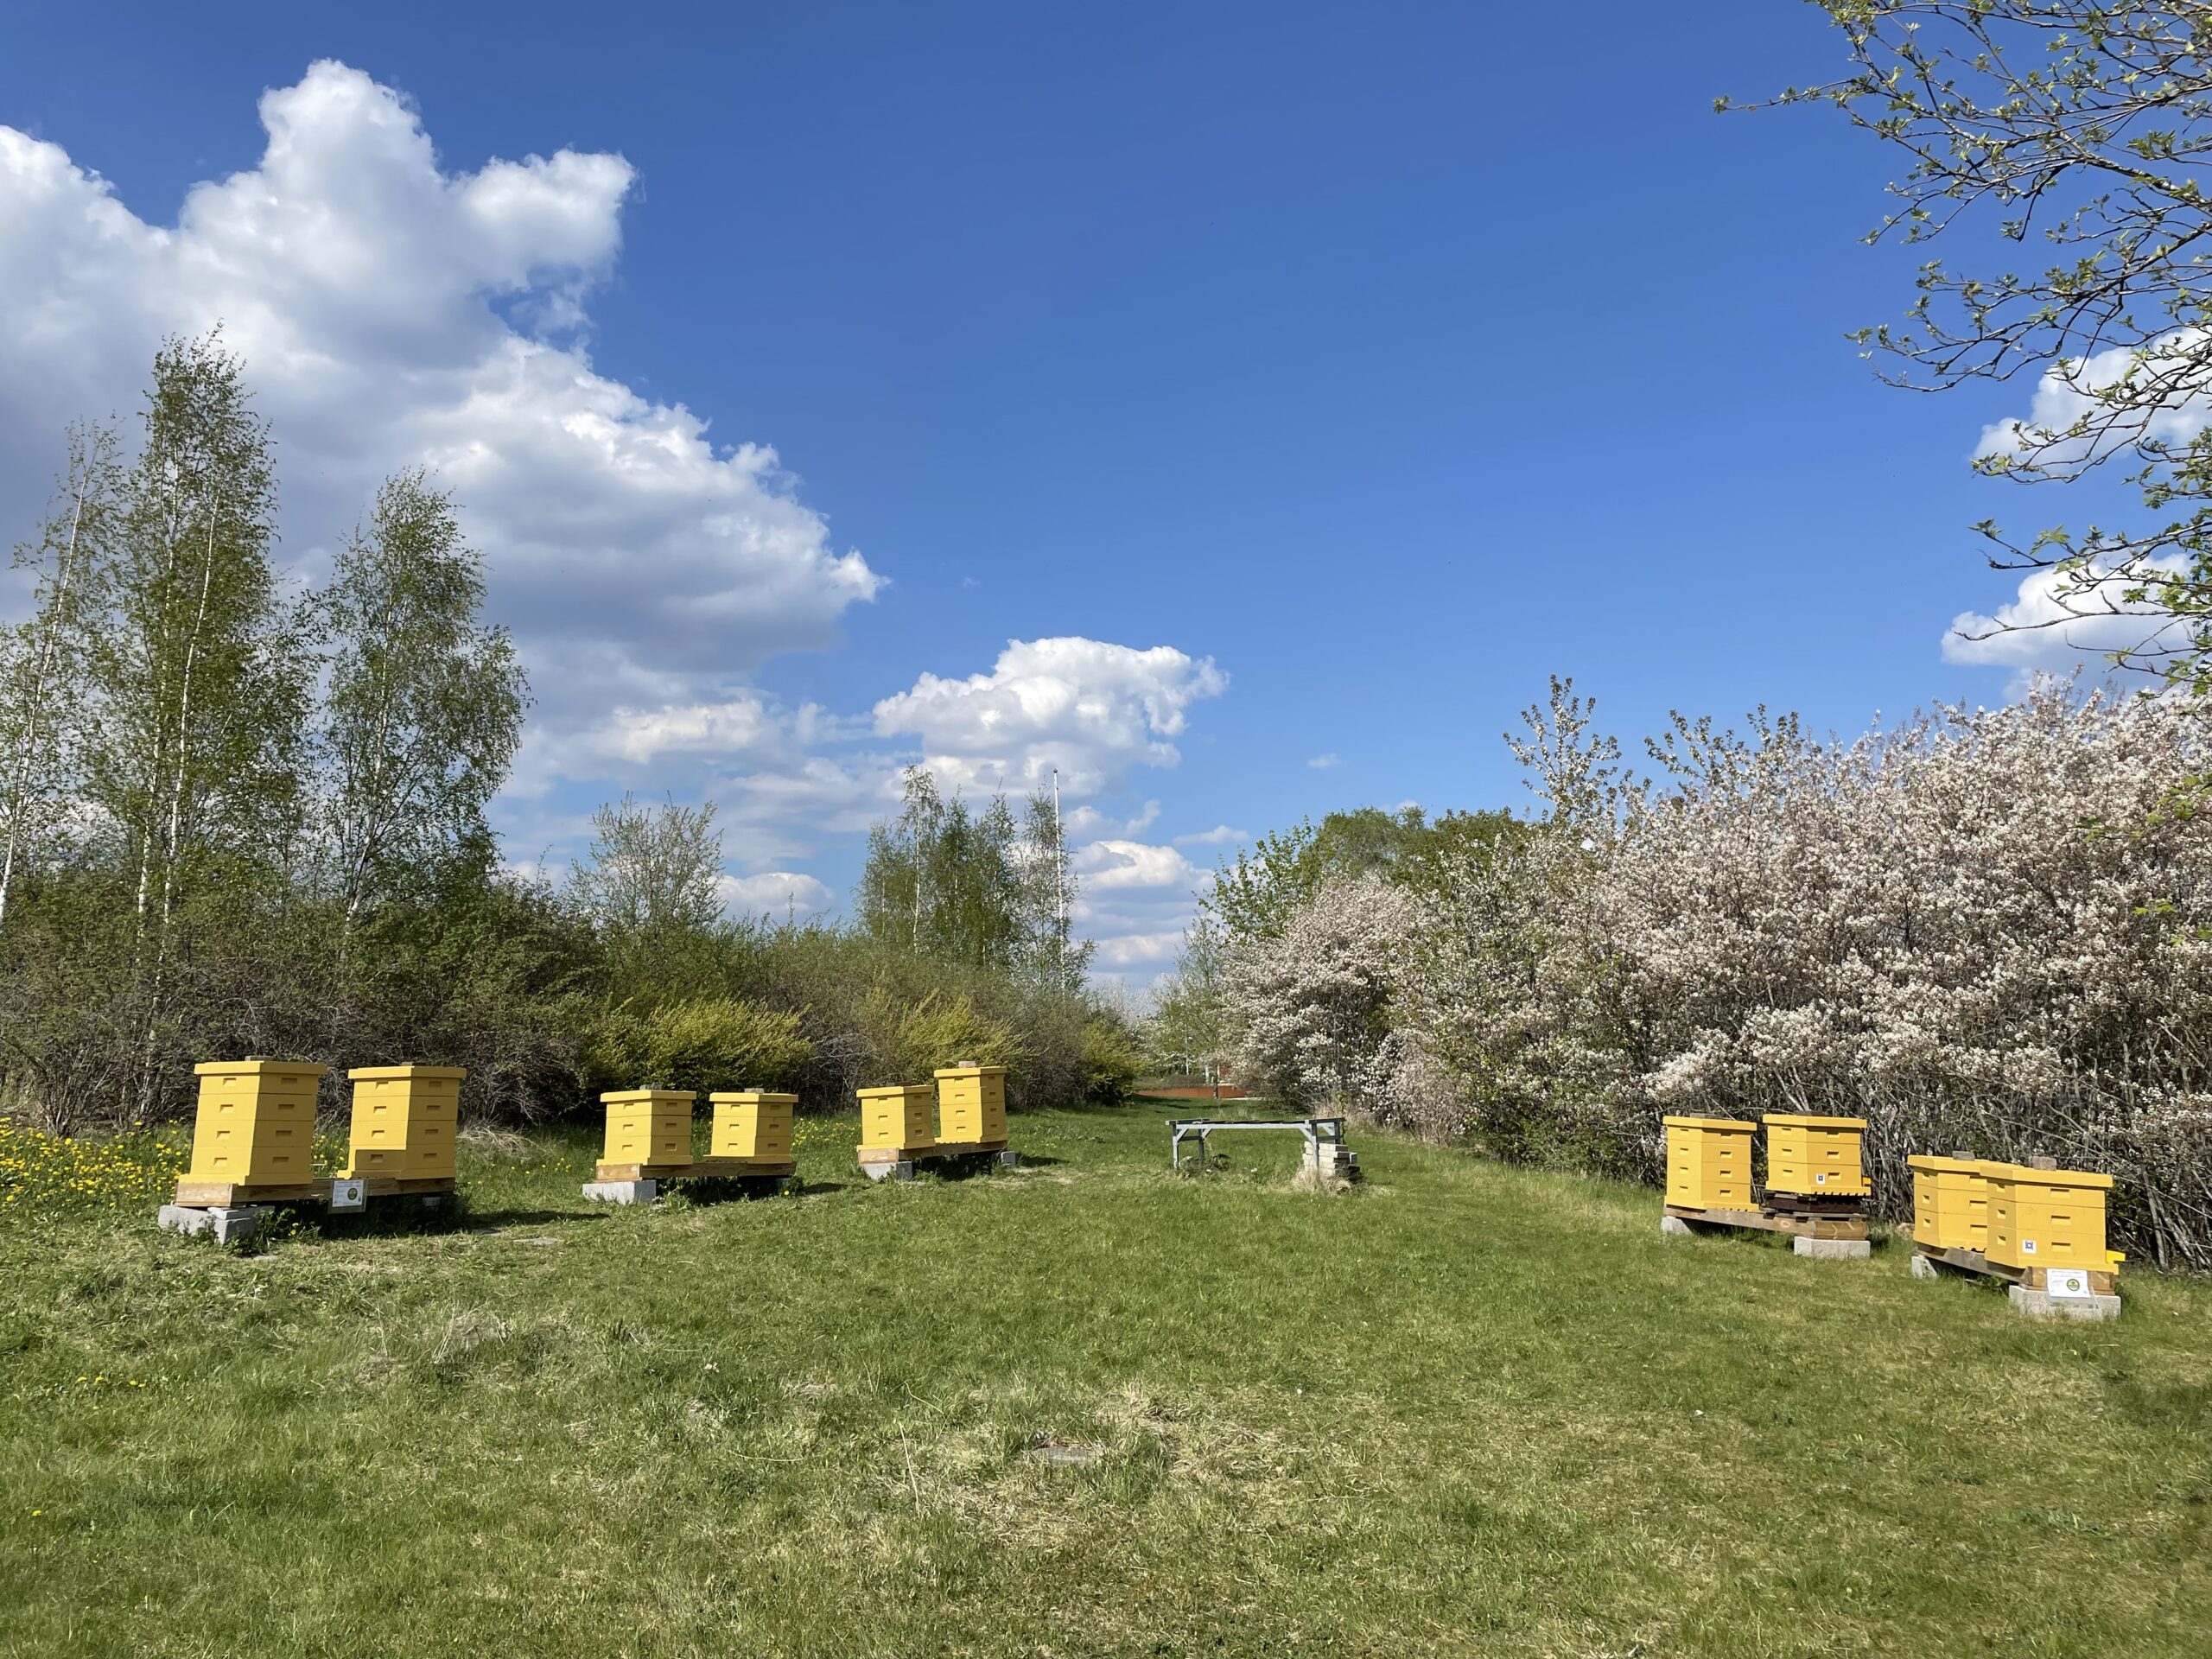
column 903, row 1170
column 1010, row 1159
column 1330, row 1161
column 1924, row 1268
column 622, row 1192
column 234, row 1225
column 1675, row 1227
column 1834, row 1249
column 2041, row 1305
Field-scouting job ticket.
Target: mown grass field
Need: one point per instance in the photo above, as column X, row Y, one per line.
column 1463, row 1410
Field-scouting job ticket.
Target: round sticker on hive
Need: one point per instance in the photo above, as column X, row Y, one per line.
column 2027, row 1247
column 2067, row 1281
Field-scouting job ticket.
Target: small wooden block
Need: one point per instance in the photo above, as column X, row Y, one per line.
column 228, row 1195
column 700, row 1169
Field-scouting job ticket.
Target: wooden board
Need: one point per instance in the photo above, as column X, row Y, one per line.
column 1759, row 1221
column 224, row 1195
column 2102, row 1281
column 938, row 1153
column 1806, row 1204
column 700, row 1169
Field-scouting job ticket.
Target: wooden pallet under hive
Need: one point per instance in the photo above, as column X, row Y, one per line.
column 1840, row 1224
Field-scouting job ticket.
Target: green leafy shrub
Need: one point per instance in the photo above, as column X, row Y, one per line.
column 700, row 1043
column 1111, row 1060
column 907, row 1042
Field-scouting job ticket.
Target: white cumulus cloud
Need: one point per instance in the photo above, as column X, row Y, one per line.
column 1094, row 710
column 392, row 313
column 1134, row 898
column 774, row 893
column 2050, row 628
column 1104, row 865
column 1220, row 835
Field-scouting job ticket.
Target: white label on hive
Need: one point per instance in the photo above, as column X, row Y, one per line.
column 1821, row 1180
column 2027, row 1247
column 349, row 1195
column 2067, row 1281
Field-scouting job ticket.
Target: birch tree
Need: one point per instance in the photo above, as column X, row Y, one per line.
column 43, row 692
column 651, row 887
column 200, row 681
column 423, row 706
column 1047, row 890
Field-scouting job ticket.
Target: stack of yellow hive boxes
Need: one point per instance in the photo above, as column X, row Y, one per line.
column 256, row 1122
column 1709, row 1163
column 752, row 1124
column 2046, row 1218
column 895, row 1121
column 1816, row 1157
column 1950, row 1203
column 648, row 1126
column 971, row 1105
column 405, row 1119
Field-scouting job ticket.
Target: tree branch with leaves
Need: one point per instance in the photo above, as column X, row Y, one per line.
column 2078, row 127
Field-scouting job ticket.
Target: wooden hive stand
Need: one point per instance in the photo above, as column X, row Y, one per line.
column 898, row 1133
column 252, row 1148
column 649, row 1143
column 1709, row 1188
column 2035, row 1227
column 401, row 1140
column 971, row 1113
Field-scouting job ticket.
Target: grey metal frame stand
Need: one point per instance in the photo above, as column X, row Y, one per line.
column 1315, row 1129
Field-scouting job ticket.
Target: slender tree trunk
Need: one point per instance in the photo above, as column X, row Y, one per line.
column 174, row 841
column 157, row 762
column 27, row 748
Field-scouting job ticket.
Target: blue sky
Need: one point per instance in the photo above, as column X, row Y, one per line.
column 1378, row 363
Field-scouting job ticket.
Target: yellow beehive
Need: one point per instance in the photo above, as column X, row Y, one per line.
column 404, row 1120
column 649, row 1125
column 2047, row 1218
column 1709, row 1162
column 970, row 1105
column 896, row 1118
column 1950, row 1203
column 751, row 1123
column 255, row 1122
column 1815, row 1157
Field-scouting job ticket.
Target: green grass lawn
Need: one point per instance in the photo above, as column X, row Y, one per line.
column 1462, row 1410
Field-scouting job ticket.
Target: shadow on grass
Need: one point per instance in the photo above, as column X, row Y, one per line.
column 498, row 1220
column 971, row 1169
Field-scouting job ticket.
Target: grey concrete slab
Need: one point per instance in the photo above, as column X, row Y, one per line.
column 225, row 1225
column 2041, row 1305
column 1834, row 1249
column 622, row 1192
